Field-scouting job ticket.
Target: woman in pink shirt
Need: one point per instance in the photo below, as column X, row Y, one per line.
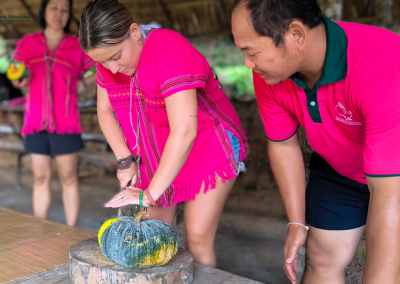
column 51, row 126
column 175, row 133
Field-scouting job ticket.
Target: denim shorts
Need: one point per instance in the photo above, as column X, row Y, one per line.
column 236, row 149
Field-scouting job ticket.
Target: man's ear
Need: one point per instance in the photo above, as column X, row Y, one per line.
column 297, row 34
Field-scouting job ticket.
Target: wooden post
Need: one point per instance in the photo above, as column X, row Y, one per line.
column 384, row 12
column 333, row 9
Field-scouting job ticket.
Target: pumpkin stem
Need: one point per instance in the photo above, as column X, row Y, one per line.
column 139, row 216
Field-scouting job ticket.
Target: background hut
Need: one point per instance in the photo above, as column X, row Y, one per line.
column 196, row 17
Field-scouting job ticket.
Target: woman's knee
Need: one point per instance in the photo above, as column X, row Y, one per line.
column 42, row 177
column 198, row 239
column 68, row 178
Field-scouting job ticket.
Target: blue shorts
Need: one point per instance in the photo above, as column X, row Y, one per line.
column 52, row 144
column 236, row 150
column 334, row 202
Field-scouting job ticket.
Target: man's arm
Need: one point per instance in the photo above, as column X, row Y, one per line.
column 287, row 164
column 383, row 231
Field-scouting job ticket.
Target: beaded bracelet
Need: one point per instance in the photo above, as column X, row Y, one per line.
column 141, row 199
column 149, row 197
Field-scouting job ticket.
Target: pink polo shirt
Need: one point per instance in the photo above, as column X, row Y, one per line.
column 352, row 115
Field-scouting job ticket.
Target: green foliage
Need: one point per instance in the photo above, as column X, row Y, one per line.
column 363, row 254
column 238, row 77
column 91, row 71
column 228, row 63
column 4, row 62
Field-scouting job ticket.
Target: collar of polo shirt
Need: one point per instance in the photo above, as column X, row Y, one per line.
column 335, row 66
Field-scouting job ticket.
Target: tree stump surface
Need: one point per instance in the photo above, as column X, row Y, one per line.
column 89, row 265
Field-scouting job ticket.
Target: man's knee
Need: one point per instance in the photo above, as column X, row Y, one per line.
column 327, row 260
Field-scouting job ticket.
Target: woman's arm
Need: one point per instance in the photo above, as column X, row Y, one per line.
column 114, row 135
column 90, row 79
column 182, row 118
column 84, row 82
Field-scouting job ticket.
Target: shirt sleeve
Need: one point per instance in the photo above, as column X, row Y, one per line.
column 87, row 62
column 180, row 67
column 279, row 123
column 381, row 111
column 100, row 76
column 21, row 51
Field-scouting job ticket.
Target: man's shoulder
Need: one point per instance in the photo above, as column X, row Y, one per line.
column 372, row 44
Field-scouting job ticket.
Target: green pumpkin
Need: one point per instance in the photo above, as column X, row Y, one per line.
column 136, row 243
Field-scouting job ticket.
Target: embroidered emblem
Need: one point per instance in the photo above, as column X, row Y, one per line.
column 345, row 116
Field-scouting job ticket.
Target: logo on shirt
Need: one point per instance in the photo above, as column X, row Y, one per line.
column 345, row 115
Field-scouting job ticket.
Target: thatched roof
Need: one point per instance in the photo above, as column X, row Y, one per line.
column 190, row 17
column 193, row 17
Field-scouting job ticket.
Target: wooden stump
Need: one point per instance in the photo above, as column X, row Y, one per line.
column 89, row 266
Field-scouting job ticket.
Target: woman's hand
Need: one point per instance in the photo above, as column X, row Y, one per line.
column 80, row 87
column 128, row 176
column 127, row 197
column 24, row 83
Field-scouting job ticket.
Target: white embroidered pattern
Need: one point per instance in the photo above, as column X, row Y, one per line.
column 345, row 116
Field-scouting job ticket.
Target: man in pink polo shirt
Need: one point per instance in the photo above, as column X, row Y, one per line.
column 341, row 82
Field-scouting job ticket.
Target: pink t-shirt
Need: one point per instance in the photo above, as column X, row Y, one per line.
column 52, row 101
column 170, row 64
column 353, row 118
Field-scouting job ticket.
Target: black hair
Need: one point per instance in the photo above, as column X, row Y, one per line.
column 272, row 18
column 42, row 20
column 104, row 23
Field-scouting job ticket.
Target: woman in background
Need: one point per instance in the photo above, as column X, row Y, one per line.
column 51, row 123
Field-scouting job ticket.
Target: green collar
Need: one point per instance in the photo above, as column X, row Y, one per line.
column 335, row 66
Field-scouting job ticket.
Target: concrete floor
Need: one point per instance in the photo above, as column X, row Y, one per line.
column 246, row 245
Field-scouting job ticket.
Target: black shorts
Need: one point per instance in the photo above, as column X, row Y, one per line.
column 334, row 202
column 52, row 144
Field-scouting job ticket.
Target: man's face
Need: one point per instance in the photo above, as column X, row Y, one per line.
column 273, row 64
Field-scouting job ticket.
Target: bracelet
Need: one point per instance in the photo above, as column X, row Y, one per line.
column 306, row 227
column 141, row 199
column 126, row 162
column 149, row 197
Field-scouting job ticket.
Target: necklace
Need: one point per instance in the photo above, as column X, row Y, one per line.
column 47, row 114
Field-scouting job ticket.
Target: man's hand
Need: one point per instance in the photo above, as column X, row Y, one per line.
column 295, row 239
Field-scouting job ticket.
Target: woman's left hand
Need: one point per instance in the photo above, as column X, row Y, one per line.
column 80, row 87
column 127, row 197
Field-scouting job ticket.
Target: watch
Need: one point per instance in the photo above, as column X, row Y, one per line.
column 126, row 162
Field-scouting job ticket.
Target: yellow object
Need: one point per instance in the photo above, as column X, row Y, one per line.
column 104, row 227
column 17, row 71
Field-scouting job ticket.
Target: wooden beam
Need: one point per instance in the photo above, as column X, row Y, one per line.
column 222, row 12
column 167, row 13
column 29, row 11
